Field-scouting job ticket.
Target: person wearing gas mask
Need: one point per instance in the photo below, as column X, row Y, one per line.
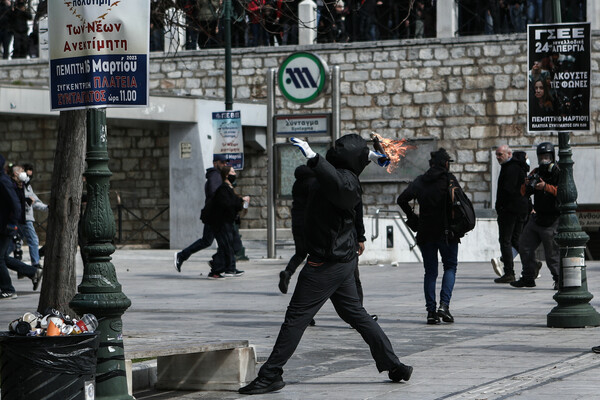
column 512, row 209
column 542, row 183
column 224, row 207
column 332, row 244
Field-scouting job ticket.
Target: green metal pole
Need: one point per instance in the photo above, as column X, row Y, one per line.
column 573, row 309
column 99, row 292
column 228, row 84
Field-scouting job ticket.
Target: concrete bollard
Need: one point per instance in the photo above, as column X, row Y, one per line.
column 307, row 22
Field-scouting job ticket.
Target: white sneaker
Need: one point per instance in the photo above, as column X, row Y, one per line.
column 498, row 266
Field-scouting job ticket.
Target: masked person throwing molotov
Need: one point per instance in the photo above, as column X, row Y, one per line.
column 329, row 272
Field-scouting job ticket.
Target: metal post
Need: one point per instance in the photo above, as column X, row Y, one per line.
column 335, row 104
column 99, row 292
column 573, row 309
column 271, row 222
column 228, row 84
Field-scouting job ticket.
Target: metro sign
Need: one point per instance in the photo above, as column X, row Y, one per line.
column 302, row 77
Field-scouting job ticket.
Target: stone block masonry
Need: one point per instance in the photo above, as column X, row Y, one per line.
column 468, row 94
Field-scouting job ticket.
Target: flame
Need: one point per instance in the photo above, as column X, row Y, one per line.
column 395, row 149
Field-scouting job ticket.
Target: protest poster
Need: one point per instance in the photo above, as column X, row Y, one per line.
column 559, row 84
column 98, row 53
column 228, row 137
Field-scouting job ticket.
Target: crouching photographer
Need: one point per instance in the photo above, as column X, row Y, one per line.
column 542, row 183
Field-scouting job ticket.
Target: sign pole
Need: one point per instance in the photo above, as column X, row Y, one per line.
column 335, row 104
column 271, row 221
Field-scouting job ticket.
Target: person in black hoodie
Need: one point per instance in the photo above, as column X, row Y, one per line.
column 431, row 225
column 331, row 239
column 305, row 181
column 224, row 207
column 213, row 181
column 542, row 183
column 512, row 209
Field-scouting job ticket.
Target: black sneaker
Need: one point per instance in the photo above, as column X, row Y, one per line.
column 374, row 317
column 263, row 385
column 432, row 318
column 37, row 278
column 284, row 281
column 444, row 313
column 214, row 275
column 312, row 322
column 177, row 261
column 8, row 295
column 506, row 278
column 400, row 373
column 234, row 273
column 596, row 349
column 522, row 283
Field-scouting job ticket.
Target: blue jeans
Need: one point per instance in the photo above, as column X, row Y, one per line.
column 28, row 231
column 449, row 253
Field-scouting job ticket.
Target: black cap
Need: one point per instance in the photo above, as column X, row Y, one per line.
column 441, row 156
column 219, row 157
column 545, row 148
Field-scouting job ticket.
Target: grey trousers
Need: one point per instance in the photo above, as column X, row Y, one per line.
column 317, row 284
column 531, row 237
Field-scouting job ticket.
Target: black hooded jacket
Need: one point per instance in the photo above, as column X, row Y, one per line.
column 304, row 184
column 431, row 191
column 508, row 197
column 10, row 206
column 330, row 230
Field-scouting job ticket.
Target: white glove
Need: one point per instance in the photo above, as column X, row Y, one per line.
column 380, row 159
column 304, row 147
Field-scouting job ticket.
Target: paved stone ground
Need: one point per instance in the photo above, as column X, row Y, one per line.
column 499, row 347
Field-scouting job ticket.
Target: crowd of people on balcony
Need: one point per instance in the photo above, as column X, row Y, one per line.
column 276, row 22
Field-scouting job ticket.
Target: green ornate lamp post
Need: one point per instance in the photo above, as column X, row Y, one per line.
column 573, row 309
column 99, row 292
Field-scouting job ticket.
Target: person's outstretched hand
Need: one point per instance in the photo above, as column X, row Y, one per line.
column 380, row 159
column 304, row 147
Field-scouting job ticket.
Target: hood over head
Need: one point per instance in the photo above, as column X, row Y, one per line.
column 303, row 171
column 349, row 152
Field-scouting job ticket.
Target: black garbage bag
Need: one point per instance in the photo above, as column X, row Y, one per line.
column 49, row 367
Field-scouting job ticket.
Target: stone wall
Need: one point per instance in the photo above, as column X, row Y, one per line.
column 468, row 93
column 139, row 161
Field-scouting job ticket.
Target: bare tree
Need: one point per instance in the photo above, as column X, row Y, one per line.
column 59, row 282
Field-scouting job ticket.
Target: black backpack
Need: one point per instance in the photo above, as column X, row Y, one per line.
column 461, row 218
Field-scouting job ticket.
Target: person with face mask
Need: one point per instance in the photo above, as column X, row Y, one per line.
column 224, row 207
column 542, row 183
column 331, row 239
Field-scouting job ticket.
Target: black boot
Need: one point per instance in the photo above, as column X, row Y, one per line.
column 262, row 385
column 444, row 313
column 400, row 373
column 508, row 277
column 432, row 318
column 523, row 283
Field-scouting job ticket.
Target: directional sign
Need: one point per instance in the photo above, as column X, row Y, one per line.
column 303, row 77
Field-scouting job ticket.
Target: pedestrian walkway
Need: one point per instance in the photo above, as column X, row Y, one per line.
column 498, row 348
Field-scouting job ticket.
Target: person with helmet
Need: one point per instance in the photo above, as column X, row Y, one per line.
column 542, row 183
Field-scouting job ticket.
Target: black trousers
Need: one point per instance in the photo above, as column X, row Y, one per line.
column 510, row 227
column 317, row 284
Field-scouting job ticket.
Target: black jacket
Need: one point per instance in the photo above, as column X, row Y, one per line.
column 330, row 230
column 431, row 192
column 213, row 181
column 305, row 183
column 545, row 202
column 10, row 206
column 508, row 196
column 225, row 206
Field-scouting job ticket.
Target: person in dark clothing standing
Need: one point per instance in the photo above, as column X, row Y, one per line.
column 213, row 181
column 329, row 272
column 224, row 207
column 431, row 192
column 5, row 27
column 305, row 181
column 512, row 209
column 20, row 16
column 542, row 183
